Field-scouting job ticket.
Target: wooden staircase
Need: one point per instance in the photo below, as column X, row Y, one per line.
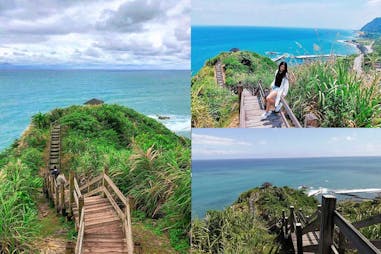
column 100, row 210
column 103, row 232
column 55, row 148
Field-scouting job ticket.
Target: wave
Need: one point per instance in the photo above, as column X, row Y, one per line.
column 176, row 123
column 321, row 191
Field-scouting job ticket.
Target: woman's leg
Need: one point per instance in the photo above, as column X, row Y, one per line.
column 270, row 100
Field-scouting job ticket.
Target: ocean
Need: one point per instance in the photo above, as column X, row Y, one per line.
column 24, row 93
column 218, row 183
column 208, row 41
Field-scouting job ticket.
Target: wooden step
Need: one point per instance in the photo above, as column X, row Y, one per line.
column 100, row 239
column 101, row 224
column 105, row 237
column 100, row 217
column 105, row 251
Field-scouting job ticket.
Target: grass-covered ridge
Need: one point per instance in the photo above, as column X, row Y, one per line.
column 244, row 227
column 213, row 106
column 145, row 159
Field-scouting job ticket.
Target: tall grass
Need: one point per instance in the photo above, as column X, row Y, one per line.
column 212, row 106
column 335, row 94
column 240, row 229
column 18, row 212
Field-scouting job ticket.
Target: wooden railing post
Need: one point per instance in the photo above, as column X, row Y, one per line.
column 71, row 192
column 130, row 244
column 81, row 204
column 291, row 218
column 51, row 188
column 105, row 172
column 286, row 227
column 57, row 196
column 327, row 224
column 240, row 90
column 299, row 238
column 62, row 201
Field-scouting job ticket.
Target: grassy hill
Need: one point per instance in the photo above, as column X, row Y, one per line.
column 145, row 159
column 244, row 226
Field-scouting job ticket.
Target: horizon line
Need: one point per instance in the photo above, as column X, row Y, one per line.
column 308, row 157
column 85, row 69
column 242, row 25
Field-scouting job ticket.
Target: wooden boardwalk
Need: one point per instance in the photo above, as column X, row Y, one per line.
column 100, row 210
column 310, row 242
column 252, row 110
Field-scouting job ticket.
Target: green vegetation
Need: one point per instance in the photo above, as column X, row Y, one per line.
column 335, row 95
column 241, row 229
column 374, row 58
column 213, row 106
column 146, row 160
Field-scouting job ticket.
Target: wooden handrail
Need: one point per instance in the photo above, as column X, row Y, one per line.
column 115, row 189
column 124, row 216
column 242, row 113
column 290, row 114
column 81, row 232
column 93, row 181
column 376, row 219
column 362, row 244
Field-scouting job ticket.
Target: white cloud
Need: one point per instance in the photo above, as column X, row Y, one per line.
column 200, row 139
column 115, row 32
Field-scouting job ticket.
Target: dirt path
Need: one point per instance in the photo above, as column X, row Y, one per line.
column 54, row 230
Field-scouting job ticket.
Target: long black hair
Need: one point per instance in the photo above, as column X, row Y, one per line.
column 285, row 69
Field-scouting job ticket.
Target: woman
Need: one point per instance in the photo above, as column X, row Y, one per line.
column 279, row 88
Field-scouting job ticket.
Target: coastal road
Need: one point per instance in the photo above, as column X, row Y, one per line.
column 357, row 65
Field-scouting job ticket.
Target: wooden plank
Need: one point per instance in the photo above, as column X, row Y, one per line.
column 76, row 188
column 368, row 221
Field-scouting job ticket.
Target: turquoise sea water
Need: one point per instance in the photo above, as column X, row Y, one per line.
column 218, row 183
column 209, row 41
column 24, row 93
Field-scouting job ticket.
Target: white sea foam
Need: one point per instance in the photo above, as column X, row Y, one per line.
column 176, row 123
column 315, row 192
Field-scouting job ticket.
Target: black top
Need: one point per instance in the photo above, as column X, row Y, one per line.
column 278, row 79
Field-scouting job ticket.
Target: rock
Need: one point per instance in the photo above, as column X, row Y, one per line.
column 163, row 117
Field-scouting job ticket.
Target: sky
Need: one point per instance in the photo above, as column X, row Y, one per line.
column 131, row 34
column 342, row 14
column 284, row 143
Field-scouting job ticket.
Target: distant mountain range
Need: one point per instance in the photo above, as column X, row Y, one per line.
column 372, row 27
